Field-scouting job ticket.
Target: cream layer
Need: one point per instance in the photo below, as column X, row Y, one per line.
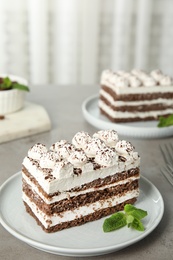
column 118, row 103
column 51, row 186
column 126, row 114
column 67, row 195
column 55, row 219
column 137, row 90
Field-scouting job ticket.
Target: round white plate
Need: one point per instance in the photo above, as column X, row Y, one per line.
column 146, row 129
column 86, row 240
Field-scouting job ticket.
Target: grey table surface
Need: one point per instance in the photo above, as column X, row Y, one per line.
column 63, row 104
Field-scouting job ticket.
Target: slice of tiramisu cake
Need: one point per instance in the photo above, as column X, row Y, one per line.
column 129, row 96
column 75, row 182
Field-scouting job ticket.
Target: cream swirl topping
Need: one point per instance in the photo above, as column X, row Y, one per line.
column 134, row 81
column 62, row 169
column 48, row 160
column 106, row 157
column 92, row 146
column 156, row 74
column 122, row 82
column 166, row 81
column 66, row 150
column 138, row 73
column 56, row 146
column 124, row 148
column 135, row 78
column 109, row 137
column 104, row 147
column 149, row 81
column 36, row 151
column 78, row 158
column 80, row 139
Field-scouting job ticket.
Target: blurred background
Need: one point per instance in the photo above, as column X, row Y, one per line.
column 72, row 41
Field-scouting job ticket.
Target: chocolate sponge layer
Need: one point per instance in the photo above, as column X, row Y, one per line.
column 80, row 221
column 80, row 200
column 158, row 107
column 94, row 184
column 137, row 108
column 137, row 97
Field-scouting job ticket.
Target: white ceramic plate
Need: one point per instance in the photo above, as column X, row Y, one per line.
column 86, row 240
column 146, row 129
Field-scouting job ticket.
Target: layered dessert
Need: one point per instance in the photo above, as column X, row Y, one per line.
column 75, row 182
column 135, row 95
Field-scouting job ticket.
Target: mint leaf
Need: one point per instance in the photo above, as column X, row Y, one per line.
column 20, row 87
column 129, row 220
column 132, row 218
column 116, row 221
column 137, row 224
column 135, row 212
column 129, row 208
column 165, row 121
column 7, row 82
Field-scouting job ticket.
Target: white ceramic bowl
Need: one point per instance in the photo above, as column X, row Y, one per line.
column 12, row 100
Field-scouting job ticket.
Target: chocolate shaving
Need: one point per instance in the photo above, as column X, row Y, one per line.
column 121, row 158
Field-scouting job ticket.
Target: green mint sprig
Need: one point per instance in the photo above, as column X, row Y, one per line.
column 6, row 84
column 165, row 121
column 131, row 217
